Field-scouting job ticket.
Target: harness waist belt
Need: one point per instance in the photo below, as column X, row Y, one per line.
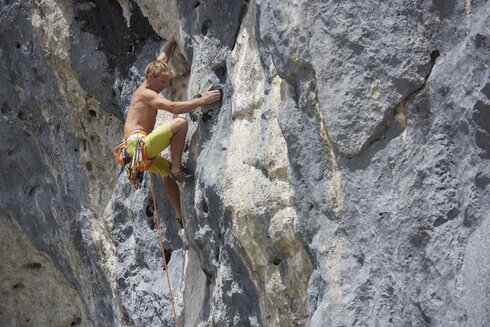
column 135, row 135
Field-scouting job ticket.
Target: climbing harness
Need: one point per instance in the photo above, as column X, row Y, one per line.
column 162, row 247
column 135, row 166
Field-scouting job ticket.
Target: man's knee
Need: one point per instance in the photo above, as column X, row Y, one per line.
column 178, row 124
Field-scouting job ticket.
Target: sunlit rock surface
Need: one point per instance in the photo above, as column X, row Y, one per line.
column 343, row 180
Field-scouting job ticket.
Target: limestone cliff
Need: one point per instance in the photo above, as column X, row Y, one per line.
column 343, row 180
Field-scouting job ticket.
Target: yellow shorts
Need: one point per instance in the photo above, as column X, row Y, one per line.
column 155, row 142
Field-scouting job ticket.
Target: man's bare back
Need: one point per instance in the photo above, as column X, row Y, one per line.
column 141, row 115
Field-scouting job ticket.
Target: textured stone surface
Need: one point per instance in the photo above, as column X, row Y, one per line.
column 343, row 180
column 35, row 292
column 389, row 225
column 49, row 167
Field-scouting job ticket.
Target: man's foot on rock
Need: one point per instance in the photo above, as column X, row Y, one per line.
column 181, row 175
column 180, row 221
column 151, row 222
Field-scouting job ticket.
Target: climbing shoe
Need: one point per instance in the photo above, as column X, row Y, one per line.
column 182, row 175
column 180, row 221
column 151, row 222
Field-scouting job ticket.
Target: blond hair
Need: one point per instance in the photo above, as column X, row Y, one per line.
column 157, row 68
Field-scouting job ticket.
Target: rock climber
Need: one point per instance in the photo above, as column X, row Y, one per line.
column 140, row 122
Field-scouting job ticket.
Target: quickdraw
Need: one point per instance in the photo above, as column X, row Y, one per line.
column 135, row 166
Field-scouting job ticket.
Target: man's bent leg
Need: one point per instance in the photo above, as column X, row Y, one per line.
column 173, row 194
column 158, row 140
column 161, row 166
column 178, row 127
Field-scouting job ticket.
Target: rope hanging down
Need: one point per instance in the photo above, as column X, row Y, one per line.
column 163, row 251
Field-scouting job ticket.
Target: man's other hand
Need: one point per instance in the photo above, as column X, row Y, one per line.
column 211, row 96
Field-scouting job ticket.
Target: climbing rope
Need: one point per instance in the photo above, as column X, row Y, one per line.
column 163, row 251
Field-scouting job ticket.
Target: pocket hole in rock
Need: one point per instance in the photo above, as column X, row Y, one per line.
column 33, row 190
column 276, row 261
column 33, row 265
column 22, row 115
column 5, row 108
column 205, row 208
column 206, row 25
column 434, row 55
column 88, row 165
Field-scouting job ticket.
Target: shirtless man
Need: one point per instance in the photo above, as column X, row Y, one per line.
column 141, row 118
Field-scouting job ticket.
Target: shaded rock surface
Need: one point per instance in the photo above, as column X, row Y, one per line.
column 343, row 179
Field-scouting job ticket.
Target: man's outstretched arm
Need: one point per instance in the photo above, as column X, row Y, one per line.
column 180, row 107
column 167, row 50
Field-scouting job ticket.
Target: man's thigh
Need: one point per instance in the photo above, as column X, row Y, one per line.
column 158, row 140
column 160, row 166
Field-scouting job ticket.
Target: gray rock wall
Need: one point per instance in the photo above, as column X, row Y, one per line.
column 343, row 180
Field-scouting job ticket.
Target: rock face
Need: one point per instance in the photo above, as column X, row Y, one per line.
column 343, row 180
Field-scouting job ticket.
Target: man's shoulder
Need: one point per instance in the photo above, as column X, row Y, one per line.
column 144, row 94
column 145, row 91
